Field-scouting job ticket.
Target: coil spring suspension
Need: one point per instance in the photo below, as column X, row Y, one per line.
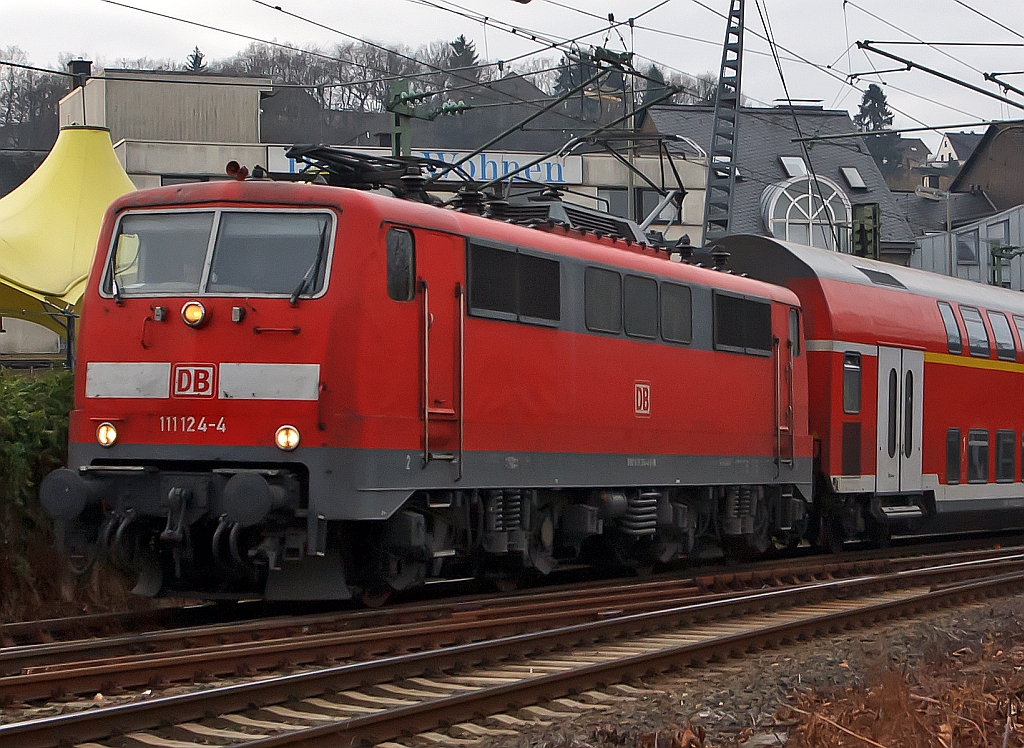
column 641, row 516
column 740, row 506
column 504, row 510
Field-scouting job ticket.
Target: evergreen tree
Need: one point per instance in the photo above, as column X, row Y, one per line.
column 874, row 111
column 194, row 62
column 573, row 72
column 875, row 115
column 463, row 55
column 656, row 87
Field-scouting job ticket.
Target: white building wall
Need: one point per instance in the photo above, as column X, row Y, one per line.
column 23, row 337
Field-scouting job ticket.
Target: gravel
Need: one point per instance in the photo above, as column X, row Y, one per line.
column 737, row 702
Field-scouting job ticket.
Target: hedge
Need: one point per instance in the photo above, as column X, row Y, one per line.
column 33, row 441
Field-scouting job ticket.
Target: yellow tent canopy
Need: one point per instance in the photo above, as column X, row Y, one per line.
column 50, row 223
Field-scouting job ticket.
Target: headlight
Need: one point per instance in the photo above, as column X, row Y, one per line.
column 193, row 313
column 106, row 434
column 287, row 438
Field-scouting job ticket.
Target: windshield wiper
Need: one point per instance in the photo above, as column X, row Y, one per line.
column 314, row 269
column 113, row 278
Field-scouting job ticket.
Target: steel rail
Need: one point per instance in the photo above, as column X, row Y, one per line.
column 100, row 723
column 301, row 643
column 426, row 715
column 44, row 632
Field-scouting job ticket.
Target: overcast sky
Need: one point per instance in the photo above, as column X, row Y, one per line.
column 820, row 31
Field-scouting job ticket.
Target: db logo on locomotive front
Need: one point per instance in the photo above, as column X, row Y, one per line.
column 194, row 380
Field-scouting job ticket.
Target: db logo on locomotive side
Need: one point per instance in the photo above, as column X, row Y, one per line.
column 194, row 380
column 642, row 398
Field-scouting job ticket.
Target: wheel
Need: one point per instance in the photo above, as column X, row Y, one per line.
column 376, row 597
column 830, row 533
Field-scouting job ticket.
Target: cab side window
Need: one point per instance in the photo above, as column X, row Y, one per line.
column 401, row 261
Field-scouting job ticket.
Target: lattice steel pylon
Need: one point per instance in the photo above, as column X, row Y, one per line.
column 718, row 194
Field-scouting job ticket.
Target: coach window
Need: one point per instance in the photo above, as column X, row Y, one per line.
column 676, row 313
column 401, row 264
column 977, row 456
column 1006, row 456
column 893, row 412
column 1018, row 322
column 794, row 330
column 603, row 300
column 952, row 456
column 851, row 383
column 640, row 307
column 977, row 335
column 742, row 325
column 1005, row 349
column 953, row 340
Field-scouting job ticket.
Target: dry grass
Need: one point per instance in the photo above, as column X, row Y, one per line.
column 970, row 697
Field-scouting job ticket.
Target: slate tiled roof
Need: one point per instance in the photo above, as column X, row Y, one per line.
column 926, row 215
column 293, row 116
column 914, row 150
column 963, row 143
column 766, row 134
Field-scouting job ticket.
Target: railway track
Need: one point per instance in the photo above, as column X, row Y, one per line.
column 202, row 654
column 387, row 697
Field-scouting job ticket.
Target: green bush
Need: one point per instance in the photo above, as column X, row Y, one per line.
column 33, row 441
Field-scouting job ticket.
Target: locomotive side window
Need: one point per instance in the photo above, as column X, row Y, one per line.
column 1006, row 456
column 603, row 300
column 794, row 330
column 270, row 253
column 851, row 383
column 676, row 313
column 159, row 253
column 539, row 288
column 953, row 340
column 1005, row 348
column 977, row 335
column 977, row 456
column 514, row 286
column 743, row 325
column 401, row 261
column 952, row 456
column 641, row 306
column 492, row 280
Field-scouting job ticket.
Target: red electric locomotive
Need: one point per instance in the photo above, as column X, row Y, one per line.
column 303, row 391
column 914, row 383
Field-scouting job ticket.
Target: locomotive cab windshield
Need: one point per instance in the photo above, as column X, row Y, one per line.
column 220, row 253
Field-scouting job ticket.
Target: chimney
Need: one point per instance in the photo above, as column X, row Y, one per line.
column 81, row 70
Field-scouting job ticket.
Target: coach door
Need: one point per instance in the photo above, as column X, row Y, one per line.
column 900, row 400
column 440, row 265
